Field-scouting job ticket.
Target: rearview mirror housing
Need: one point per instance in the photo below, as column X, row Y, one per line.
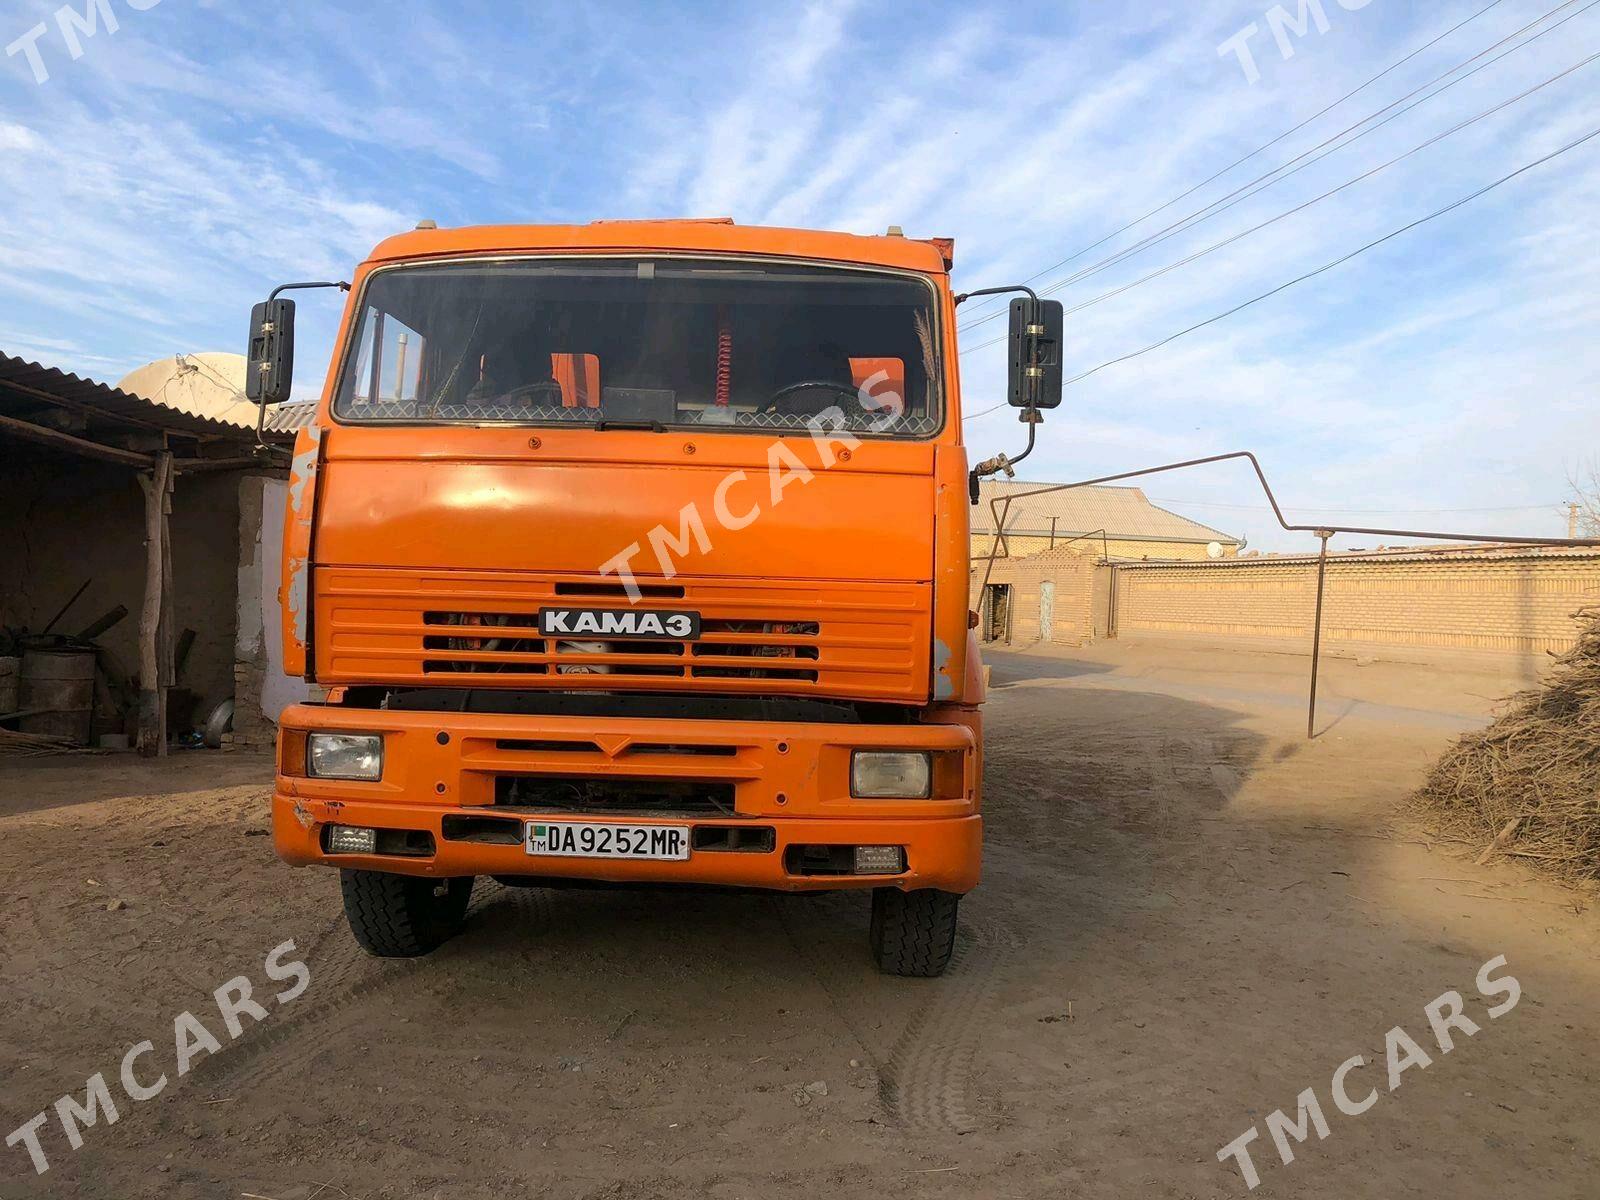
column 270, row 369
column 1035, row 353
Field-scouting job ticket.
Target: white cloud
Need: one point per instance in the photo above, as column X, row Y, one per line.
column 18, row 138
column 175, row 173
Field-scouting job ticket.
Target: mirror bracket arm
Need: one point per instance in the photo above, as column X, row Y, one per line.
column 1001, row 462
column 289, row 287
column 963, row 297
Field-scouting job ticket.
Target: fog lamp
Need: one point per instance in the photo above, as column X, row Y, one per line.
column 351, row 839
column 879, row 860
column 889, row 775
column 344, row 755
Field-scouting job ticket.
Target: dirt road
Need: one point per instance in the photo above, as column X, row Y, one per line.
column 1189, row 916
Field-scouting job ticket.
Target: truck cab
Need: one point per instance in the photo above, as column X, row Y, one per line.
column 633, row 553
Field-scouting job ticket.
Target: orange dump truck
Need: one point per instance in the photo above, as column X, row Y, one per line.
column 634, row 553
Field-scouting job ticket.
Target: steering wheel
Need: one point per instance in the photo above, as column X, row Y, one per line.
column 814, row 385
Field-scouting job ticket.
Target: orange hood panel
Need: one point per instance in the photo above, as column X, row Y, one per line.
column 575, row 517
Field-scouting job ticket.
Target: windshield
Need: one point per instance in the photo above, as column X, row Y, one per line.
column 645, row 343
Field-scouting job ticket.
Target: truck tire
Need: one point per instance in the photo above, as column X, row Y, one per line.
column 913, row 933
column 399, row 916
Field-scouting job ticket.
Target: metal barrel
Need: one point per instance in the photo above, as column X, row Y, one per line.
column 58, row 688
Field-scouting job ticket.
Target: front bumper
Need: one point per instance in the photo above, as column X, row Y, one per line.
column 792, row 779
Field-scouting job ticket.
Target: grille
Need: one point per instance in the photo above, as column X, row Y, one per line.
column 499, row 642
column 580, row 794
column 480, row 629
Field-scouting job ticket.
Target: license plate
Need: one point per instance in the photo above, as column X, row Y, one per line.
column 589, row 839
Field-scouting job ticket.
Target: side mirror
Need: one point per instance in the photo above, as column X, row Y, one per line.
column 270, row 370
column 1035, row 376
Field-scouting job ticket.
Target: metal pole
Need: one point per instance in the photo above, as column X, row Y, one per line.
column 1316, row 634
column 999, row 521
column 1111, row 586
column 1277, row 511
column 400, row 367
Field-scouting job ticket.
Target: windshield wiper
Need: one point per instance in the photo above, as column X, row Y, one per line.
column 647, row 426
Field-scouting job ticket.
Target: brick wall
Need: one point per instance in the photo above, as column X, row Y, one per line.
column 1500, row 604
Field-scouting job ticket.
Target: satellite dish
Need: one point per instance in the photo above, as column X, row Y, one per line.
column 209, row 384
column 1213, row 549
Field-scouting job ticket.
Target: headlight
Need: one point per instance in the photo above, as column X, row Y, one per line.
column 889, row 774
column 344, row 756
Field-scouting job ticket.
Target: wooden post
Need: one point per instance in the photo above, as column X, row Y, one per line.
column 168, row 626
column 152, row 678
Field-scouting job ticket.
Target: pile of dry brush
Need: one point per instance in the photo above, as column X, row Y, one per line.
column 1528, row 786
column 24, row 745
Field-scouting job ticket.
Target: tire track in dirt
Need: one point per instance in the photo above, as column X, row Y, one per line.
column 925, row 1086
column 828, row 969
column 924, row 1077
column 343, row 976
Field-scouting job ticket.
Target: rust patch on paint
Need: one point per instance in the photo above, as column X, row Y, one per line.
column 943, row 686
column 302, row 473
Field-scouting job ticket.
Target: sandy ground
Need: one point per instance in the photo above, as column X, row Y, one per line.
column 1189, row 915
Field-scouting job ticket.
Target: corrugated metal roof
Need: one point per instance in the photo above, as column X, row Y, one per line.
column 27, row 387
column 287, row 418
column 1123, row 512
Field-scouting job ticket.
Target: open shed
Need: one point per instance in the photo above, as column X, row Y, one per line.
column 113, row 502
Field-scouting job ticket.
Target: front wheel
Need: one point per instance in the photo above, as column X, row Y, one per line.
column 399, row 916
column 913, row 933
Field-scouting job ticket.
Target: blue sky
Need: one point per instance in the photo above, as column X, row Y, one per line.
column 162, row 181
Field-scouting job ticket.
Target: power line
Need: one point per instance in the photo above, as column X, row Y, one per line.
column 1284, row 170
column 1328, row 266
column 1264, row 146
column 1182, row 262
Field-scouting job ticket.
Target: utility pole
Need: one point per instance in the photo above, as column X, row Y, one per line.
column 1572, row 519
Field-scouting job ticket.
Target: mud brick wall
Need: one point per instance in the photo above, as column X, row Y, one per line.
column 1481, row 603
column 1070, row 569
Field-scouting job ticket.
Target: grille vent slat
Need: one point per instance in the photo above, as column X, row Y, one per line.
column 488, row 643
